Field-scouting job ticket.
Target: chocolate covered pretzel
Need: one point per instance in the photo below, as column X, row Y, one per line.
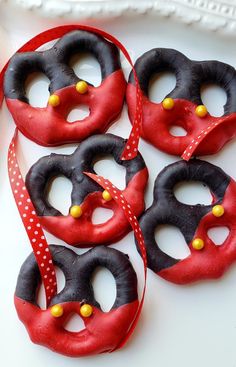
column 206, row 259
column 49, row 126
column 77, row 228
column 103, row 331
column 183, row 105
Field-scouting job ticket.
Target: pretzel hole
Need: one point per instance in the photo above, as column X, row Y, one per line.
column 171, row 241
column 59, row 194
column 78, row 113
column 214, row 98
column 218, row 235
column 192, row 193
column 176, row 130
column 107, row 167
column 41, row 299
column 160, row 85
column 74, row 323
column 86, row 67
column 37, row 89
column 101, row 215
column 105, row 296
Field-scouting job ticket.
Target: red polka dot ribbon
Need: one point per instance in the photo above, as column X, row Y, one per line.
column 117, row 195
column 131, row 148
column 192, row 147
column 31, row 223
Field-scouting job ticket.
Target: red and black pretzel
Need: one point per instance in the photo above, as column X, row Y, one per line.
column 206, row 259
column 103, row 331
column 77, row 228
column 183, row 105
column 49, row 126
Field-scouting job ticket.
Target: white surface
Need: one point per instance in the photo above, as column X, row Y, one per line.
column 213, row 15
column 181, row 326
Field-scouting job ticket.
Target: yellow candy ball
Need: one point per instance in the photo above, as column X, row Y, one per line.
column 201, row 111
column 76, row 211
column 218, row 210
column 106, row 195
column 198, row 244
column 86, row 310
column 57, row 311
column 168, row 103
column 54, row 100
column 82, row 87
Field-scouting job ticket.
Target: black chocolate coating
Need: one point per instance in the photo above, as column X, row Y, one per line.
column 78, row 272
column 72, row 166
column 190, row 75
column 166, row 209
column 54, row 63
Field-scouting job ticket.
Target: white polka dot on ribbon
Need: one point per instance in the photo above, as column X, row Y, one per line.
column 31, row 223
column 131, row 147
column 192, row 147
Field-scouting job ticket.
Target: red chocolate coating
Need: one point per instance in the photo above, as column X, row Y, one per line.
column 157, row 123
column 212, row 261
column 82, row 232
column 49, row 126
column 103, row 330
column 193, row 221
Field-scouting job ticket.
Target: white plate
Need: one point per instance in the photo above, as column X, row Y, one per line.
column 210, row 14
column 180, row 326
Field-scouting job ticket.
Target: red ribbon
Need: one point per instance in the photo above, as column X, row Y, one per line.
column 192, row 147
column 31, row 223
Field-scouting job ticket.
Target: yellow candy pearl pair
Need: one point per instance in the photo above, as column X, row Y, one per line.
column 168, row 104
column 217, row 211
column 76, row 210
column 86, row 310
column 81, row 87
